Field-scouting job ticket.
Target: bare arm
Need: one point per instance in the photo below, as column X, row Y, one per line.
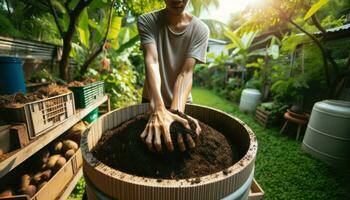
column 160, row 119
column 182, row 88
column 183, row 85
column 153, row 76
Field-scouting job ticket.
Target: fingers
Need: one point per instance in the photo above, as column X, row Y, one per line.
column 198, row 128
column 144, row 133
column 167, row 138
column 190, row 141
column 149, row 140
column 180, row 142
column 183, row 121
column 157, row 140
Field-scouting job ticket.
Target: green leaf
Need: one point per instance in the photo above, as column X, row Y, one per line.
column 57, row 5
column 236, row 41
column 115, row 27
column 247, row 39
column 73, row 4
column 128, row 44
column 83, row 28
column 314, row 8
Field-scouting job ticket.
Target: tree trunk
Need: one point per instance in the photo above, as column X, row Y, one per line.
column 68, row 36
column 67, row 46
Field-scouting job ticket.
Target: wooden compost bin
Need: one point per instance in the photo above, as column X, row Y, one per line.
column 104, row 182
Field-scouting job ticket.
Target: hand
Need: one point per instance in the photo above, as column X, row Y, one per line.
column 159, row 124
column 198, row 128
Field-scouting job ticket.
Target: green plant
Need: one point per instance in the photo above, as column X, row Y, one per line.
column 290, row 91
column 276, row 109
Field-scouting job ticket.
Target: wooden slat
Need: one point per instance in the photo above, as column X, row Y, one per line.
column 71, row 185
column 21, row 155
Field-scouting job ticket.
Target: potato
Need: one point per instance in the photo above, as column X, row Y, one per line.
column 30, row 190
column 25, row 180
column 37, row 178
column 77, row 128
column 46, row 175
column 69, row 154
column 41, row 185
column 76, row 131
column 52, row 160
column 6, row 193
column 60, row 162
column 57, row 146
column 43, row 156
column 69, row 144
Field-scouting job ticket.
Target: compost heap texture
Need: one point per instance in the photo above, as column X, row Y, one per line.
column 123, row 149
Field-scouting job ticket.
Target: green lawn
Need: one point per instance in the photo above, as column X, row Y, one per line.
column 283, row 170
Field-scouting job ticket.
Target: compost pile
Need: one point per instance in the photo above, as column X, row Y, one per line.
column 81, row 83
column 122, row 149
column 19, row 99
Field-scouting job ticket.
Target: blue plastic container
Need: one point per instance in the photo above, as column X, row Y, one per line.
column 11, row 76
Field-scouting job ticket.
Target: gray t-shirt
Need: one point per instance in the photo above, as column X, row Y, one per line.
column 172, row 47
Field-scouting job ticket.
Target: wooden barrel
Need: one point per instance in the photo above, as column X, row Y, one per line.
column 327, row 136
column 104, row 182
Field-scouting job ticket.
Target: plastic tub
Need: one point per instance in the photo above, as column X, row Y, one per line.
column 11, row 76
column 249, row 100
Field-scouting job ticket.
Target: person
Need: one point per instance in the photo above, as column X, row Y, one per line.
column 173, row 41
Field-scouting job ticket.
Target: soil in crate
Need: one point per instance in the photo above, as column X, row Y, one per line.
column 81, row 83
column 19, row 99
column 122, row 149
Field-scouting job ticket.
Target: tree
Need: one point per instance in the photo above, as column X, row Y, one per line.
column 278, row 13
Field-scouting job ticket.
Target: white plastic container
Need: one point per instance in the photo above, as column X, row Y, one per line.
column 327, row 135
column 249, row 100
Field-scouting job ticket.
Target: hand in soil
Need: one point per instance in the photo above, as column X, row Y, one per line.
column 159, row 125
column 198, row 128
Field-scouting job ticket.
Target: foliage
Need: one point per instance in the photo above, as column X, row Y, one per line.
column 282, row 169
column 125, row 79
column 295, row 13
column 240, row 45
column 27, row 21
column 78, row 191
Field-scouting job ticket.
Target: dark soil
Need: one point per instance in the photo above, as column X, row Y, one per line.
column 122, row 149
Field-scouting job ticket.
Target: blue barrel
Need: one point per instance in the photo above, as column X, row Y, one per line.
column 11, row 76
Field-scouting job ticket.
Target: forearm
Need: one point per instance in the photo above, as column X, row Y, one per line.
column 154, row 85
column 182, row 88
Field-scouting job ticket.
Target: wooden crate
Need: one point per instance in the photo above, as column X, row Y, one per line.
column 58, row 182
column 256, row 192
column 42, row 115
column 13, row 137
column 263, row 117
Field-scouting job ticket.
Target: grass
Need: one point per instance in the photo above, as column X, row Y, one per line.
column 282, row 169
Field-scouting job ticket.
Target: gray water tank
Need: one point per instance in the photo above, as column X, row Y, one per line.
column 327, row 135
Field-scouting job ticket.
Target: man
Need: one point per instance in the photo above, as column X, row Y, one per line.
column 173, row 41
